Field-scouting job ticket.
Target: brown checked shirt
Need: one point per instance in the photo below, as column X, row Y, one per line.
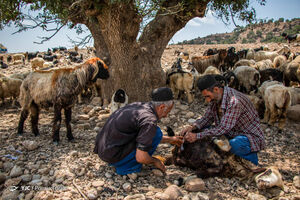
column 239, row 117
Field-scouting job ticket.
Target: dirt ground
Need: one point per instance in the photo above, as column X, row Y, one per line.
column 56, row 172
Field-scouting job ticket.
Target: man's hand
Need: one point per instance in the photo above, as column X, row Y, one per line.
column 176, row 140
column 186, row 130
column 190, row 137
column 159, row 164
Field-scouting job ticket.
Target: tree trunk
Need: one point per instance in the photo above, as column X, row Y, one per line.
column 134, row 64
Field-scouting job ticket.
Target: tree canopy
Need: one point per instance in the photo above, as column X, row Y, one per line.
column 54, row 14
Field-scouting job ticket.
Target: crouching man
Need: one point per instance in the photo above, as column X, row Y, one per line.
column 234, row 116
column 130, row 136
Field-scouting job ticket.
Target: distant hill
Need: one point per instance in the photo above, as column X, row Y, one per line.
column 263, row 32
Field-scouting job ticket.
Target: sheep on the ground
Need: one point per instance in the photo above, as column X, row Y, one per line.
column 18, row 59
column 211, row 70
column 279, row 60
column 295, row 95
column 248, row 77
column 291, row 73
column 202, row 62
column 210, row 52
column 259, row 104
column 230, row 59
column 181, row 82
column 244, row 62
column 277, row 99
column 263, row 64
column 58, row 89
column 242, row 53
column 31, row 55
column 271, row 74
column 9, row 87
column 263, row 55
column 184, row 56
column 37, row 63
column 118, row 100
column 291, row 38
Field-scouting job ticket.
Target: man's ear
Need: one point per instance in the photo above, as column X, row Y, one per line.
column 216, row 89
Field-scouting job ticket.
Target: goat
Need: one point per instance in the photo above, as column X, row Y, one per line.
column 57, row 88
column 202, row 62
column 248, row 78
column 9, row 87
column 291, row 38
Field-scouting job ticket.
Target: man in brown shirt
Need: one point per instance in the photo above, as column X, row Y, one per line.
column 131, row 135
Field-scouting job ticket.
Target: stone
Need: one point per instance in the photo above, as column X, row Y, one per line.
column 7, row 166
column 293, row 112
column 195, row 185
column 83, row 117
column 12, row 182
column 108, row 175
column 127, row 187
column 173, row 191
column 103, row 116
column 98, row 183
column 157, row 172
column 73, row 153
column 135, row 197
column 253, row 196
column 92, row 194
column 202, row 196
column 10, row 195
column 183, row 107
column 26, row 177
column 30, row 145
column 2, row 178
column 191, row 121
column 96, row 101
column 190, row 115
column 16, row 171
column 296, row 182
column 162, row 196
column 132, row 176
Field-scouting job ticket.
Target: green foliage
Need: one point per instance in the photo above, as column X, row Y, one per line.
column 244, row 41
column 258, row 34
column 209, row 41
column 251, row 35
column 281, row 19
column 270, row 20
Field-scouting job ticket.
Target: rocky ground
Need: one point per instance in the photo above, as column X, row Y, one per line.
column 38, row 169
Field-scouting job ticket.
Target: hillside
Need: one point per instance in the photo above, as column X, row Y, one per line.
column 263, row 32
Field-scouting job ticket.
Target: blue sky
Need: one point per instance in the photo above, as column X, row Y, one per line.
column 197, row 27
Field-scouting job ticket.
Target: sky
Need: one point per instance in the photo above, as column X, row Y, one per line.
column 197, row 27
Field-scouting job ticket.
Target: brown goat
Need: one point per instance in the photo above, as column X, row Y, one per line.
column 202, row 62
column 57, row 88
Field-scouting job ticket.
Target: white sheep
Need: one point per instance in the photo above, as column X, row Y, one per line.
column 245, row 62
column 279, row 60
column 263, row 64
column 37, row 63
column 18, row 59
column 277, row 100
column 248, row 78
column 211, row 70
column 295, row 95
column 9, row 87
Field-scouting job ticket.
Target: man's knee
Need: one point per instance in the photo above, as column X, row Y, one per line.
column 240, row 145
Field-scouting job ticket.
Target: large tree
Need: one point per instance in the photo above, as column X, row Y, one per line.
column 130, row 34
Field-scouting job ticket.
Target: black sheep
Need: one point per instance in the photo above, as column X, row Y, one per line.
column 271, row 74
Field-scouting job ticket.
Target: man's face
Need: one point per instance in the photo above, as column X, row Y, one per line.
column 164, row 110
column 213, row 96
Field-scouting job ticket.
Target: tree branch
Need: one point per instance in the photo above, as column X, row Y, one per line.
column 44, row 39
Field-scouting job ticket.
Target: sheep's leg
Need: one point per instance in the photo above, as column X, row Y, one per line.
column 273, row 115
column 68, row 117
column 56, row 124
column 23, row 117
column 282, row 120
column 34, row 114
column 266, row 115
column 190, row 97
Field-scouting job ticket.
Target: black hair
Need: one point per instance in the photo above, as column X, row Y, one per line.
column 208, row 82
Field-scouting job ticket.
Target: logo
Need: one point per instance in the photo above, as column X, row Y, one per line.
column 13, row 188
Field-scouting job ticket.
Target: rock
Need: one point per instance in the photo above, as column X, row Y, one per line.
column 296, row 182
column 7, row 166
column 30, row 145
column 10, row 195
column 162, row 196
column 2, row 178
column 16, row 171
column 165, row 120
column 190, row 115
column 108, row 175
column 92, row 194
column 97, row 128
column 183, row 107
column 132, row 176
column 12, row 182
column 202, row 196
column 83, row 117
column 173, row 191
column 253, row 196
column 103, row 116
column 96, row 101
column 98, row 183
column 293, row 112
column 135, row 197
column 29, row 196
column 295, row 197
column 26, row 177
column 127, row 187
column 74, row 153
column 191, row 121
column 157, row 172
column 195, row 185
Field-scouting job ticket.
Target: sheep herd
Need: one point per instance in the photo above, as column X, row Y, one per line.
column 269, row 78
